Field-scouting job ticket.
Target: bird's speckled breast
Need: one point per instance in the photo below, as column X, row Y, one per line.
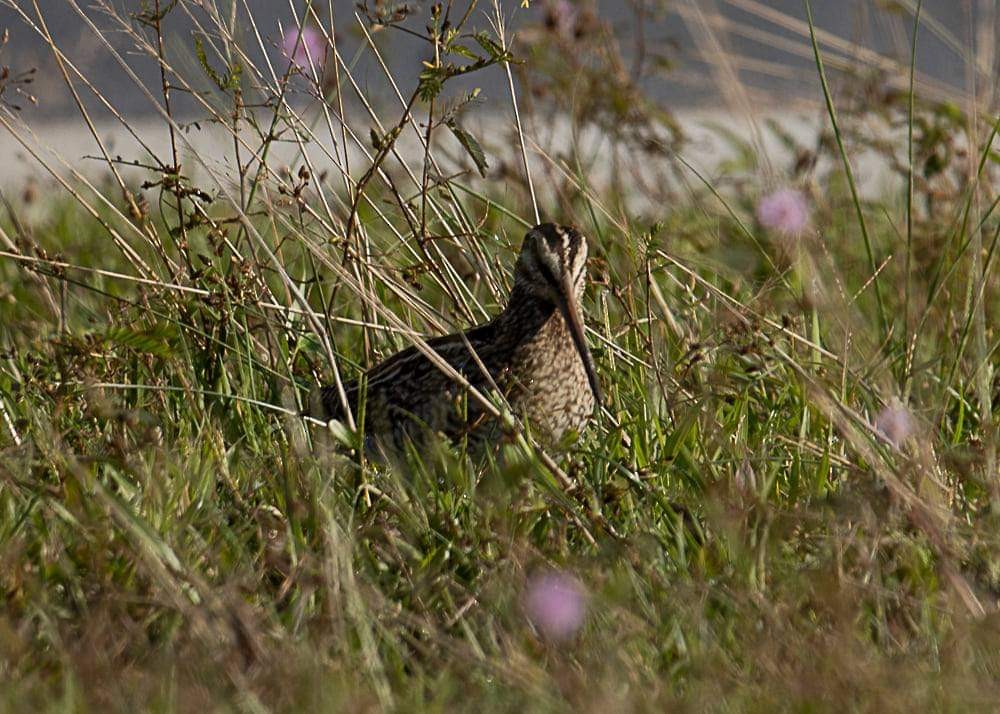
column 550, row 382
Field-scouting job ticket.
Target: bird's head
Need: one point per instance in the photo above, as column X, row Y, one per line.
column 552, row 258
column 552, row 266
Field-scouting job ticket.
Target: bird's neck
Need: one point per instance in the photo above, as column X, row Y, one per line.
column 526, row 312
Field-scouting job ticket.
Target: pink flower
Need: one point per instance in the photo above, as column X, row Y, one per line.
column 556, row 604
column 561, row 16
column 301, row 47
column 784, row 211
column 894, row 424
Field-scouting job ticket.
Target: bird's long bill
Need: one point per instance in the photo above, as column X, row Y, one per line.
column 570, row 312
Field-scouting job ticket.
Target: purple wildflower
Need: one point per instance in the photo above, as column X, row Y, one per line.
column 556, row 604
column 301, row 47
column 561, row 17
column 785, row 211
column 894, row 424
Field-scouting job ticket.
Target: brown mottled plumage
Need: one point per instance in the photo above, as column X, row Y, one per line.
column 534, row 352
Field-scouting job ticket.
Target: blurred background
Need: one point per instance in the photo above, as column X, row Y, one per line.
column 743, row 55
column 763, row 38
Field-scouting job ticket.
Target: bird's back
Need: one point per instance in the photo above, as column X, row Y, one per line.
column 408, row 395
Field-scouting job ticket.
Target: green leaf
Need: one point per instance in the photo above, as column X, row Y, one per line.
column 431, row 83
column 156, row 340
column 342, row 434
column 464, row 51
column 469, row 143
column 233, row 79
column 199, row 51
column 495, row 51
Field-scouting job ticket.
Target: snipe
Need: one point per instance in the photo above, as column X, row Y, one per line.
column 534, row 352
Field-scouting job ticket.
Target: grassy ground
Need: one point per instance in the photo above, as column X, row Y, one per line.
column 789, row 501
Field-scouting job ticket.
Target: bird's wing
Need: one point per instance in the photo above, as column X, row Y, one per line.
column 409, row 378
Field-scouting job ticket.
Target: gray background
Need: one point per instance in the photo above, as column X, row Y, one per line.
column 867, row 22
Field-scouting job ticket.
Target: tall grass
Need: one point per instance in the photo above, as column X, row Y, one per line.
column 788, row 500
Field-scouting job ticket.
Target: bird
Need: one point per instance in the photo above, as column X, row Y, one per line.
column 534, row 352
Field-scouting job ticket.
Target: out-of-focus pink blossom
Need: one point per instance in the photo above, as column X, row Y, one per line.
column 561, row 17
column 556, row 604
column 785, row 211
column 301, row 47
column 894, row 424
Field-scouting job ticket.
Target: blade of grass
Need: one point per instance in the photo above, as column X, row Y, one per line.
column 862, row 224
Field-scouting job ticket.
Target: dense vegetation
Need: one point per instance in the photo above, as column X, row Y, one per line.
column 790, row 500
